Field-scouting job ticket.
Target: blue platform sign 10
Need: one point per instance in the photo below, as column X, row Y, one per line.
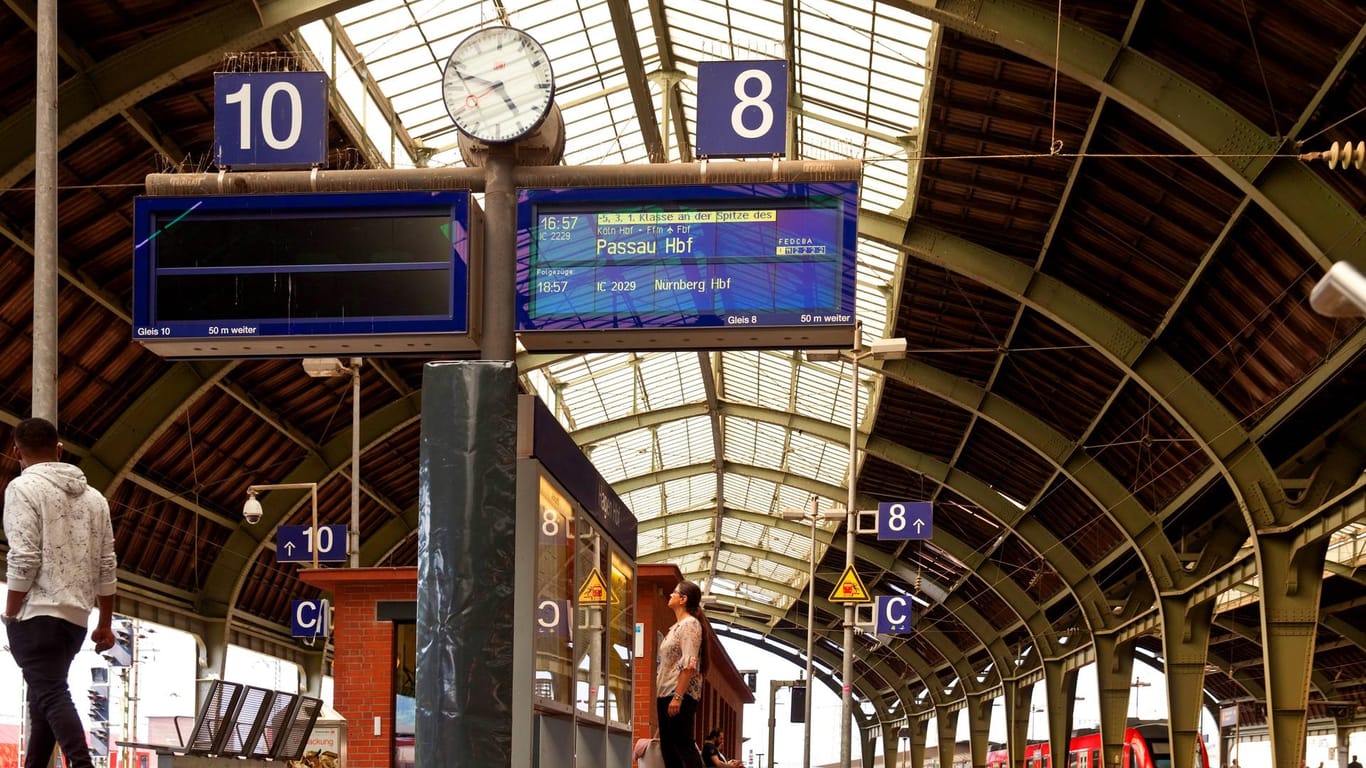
column 741, row 108
column 269, row 119
column 295, row 543
column 309, row 618
column 893, row 615
column 903, row 520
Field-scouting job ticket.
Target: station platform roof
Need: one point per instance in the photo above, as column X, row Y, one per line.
column 1093, row 229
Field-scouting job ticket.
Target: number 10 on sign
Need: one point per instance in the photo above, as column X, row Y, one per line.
column 903, row 520
column 295, row 543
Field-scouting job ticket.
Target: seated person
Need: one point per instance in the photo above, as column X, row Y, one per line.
column 711, row 751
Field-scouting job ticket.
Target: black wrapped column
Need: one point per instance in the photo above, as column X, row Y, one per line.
column 466, row 566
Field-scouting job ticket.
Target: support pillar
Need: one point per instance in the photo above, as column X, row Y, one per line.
column 1017, row 700
column 891, row 741
column 467, row 693
column 1114, row 671
column 1292, row 583
column 1060, row 686
column 1185, row 647
column 917, row 729
column 946, row 723
column 979, row 728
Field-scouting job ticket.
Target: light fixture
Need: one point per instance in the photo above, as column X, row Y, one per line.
column 329, row 367
column 1340, row 293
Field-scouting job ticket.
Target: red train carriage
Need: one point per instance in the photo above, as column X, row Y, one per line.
column 1145, row 746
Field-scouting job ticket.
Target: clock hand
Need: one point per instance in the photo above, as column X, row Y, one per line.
column 503, row 91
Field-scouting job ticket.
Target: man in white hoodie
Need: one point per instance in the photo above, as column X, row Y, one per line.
column 61, row 564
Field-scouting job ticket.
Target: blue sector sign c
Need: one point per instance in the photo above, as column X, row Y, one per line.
column 893, row 615
column 903, row 520
column 294, row 543
column 309, row 618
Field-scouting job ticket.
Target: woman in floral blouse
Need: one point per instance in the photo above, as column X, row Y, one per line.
column 682, row 659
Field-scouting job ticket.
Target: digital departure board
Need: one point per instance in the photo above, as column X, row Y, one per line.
column 304, row 274
column 687, row 267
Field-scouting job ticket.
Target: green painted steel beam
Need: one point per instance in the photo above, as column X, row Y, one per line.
column 1219, row 434
column 244, row 545
column 1309, row 210
column 141, row 424
column 141, row 70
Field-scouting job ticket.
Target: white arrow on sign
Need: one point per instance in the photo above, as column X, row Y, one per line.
column 919, row 525
column 289, row 548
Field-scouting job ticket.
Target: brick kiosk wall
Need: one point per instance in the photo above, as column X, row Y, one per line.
column 362, row 665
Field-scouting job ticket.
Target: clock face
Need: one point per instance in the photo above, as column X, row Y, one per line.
column 498, row 84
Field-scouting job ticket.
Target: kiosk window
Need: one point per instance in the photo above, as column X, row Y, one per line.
column 621, row 640
column 555, row 589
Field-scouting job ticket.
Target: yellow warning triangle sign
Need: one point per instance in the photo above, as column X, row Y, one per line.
column 850, row 589
column 594, row 590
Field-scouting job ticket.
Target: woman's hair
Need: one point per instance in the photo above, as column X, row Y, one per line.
column 713, row 734
column 692, row 603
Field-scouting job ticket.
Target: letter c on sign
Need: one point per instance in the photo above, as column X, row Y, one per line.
column 549, row 615
column 895, row 611
column 311, row 615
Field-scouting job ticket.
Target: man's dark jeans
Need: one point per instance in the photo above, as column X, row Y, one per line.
column 43, row 647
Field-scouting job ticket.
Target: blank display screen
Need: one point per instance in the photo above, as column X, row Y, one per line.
column 254, row 268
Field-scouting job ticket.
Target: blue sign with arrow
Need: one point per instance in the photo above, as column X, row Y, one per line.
column 903, row 520
column 294, row 543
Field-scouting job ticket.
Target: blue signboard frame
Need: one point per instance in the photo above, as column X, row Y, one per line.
column 726, row 266
column 309, row 618
column 269, row 119
column 894, row 614
column 741, row 108
column 198, row 259
column 291, row 544
column 905, row 520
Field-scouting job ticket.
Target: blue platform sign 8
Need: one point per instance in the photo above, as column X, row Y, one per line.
column 741, row 108
column 903, row 520
column 269, row 119
column 893, row 615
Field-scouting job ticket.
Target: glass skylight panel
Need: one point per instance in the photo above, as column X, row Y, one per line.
column 688, row 534
column 769, row 449
column 672, row 378
column 690, row 492
column 645, row 504
column 741, row 437
column 750, row 493
column 685, row 442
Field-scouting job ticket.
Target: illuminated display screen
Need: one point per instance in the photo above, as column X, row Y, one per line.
column 338, row 273
column 747, row 257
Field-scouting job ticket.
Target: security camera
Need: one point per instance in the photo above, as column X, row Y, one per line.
column 251, row 511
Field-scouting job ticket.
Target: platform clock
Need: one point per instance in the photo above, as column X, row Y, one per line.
column 498, row 84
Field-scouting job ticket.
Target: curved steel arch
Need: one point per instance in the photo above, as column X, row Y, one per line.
column 1078, row 577
column 119, row 82
column 1303, row 204
column 1219, row 435
column 954, row 656
column 796, row 658
column 224, row 580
